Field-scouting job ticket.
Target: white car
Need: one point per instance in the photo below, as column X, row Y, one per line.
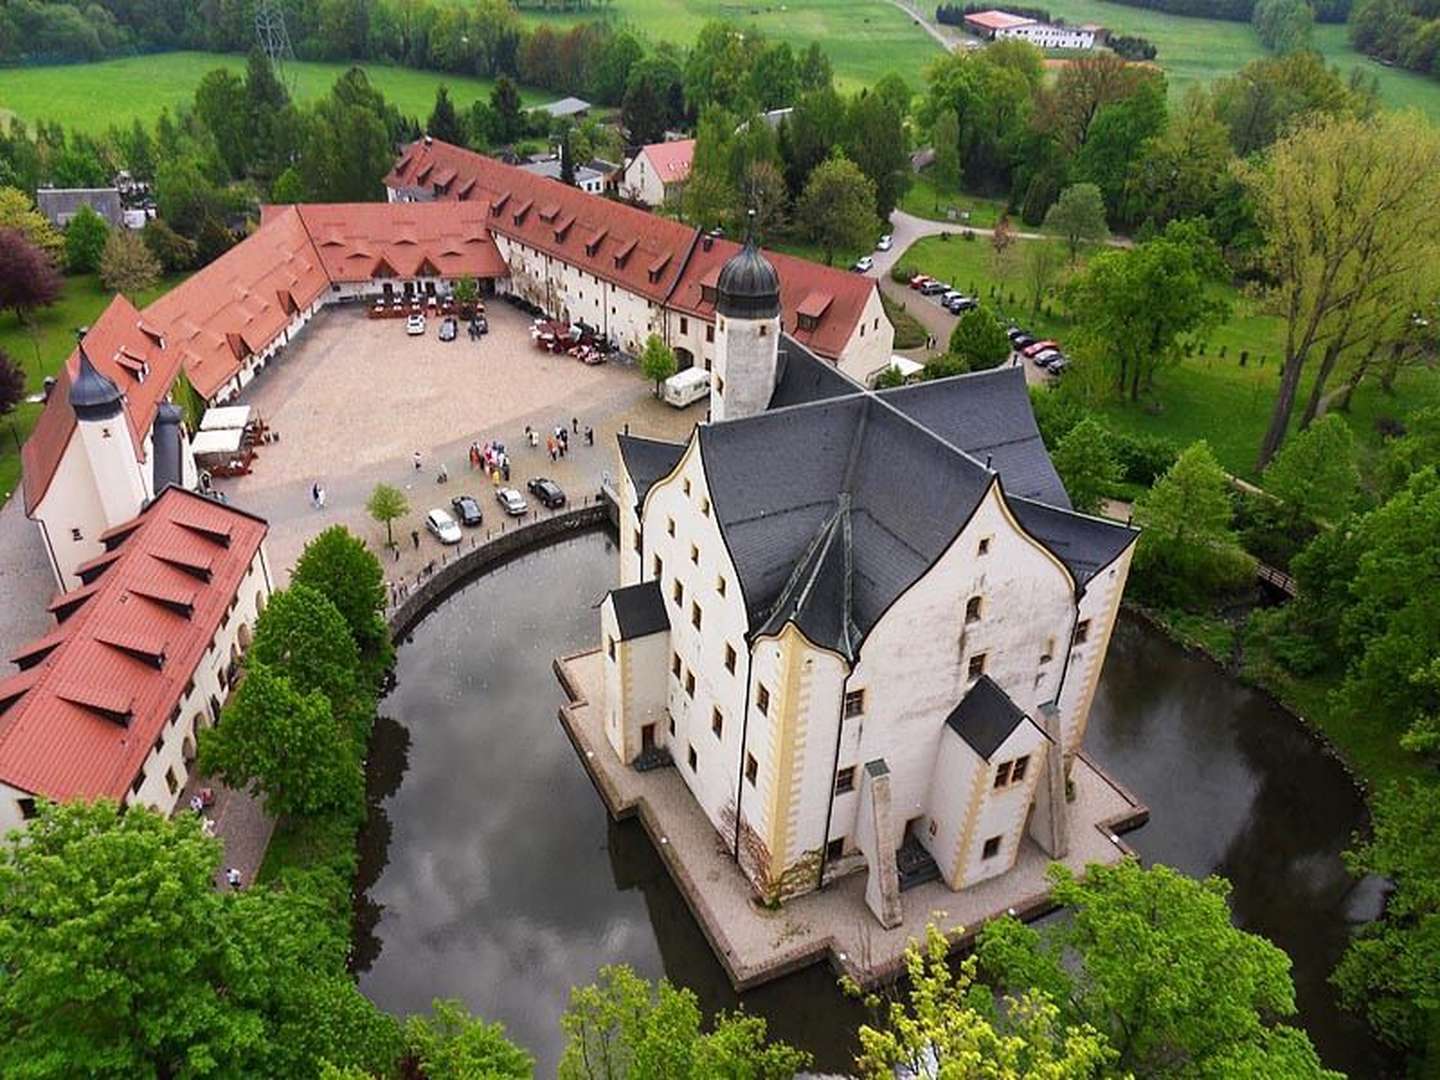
column 884, row 243
column 415, row 325
column 512, row 502
column 864, row 264
column 442, row 526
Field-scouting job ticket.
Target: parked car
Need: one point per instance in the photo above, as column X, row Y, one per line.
column 447, row 329
column 864, row 264
column 961, row 303
column 442, row 526
column 1030, row 350
column 884, row 243
column 1059, row 365
column 934, row 288
column 467, row 510
column 547, row 491
column 1045, row 356
column 919, row 281
column 1014, row 333
column 415, row 325
column 952, row 294
column 1021, row 341
column 479, row 326
column 511, row 501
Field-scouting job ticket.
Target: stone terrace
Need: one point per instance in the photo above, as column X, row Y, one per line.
column 755, row 944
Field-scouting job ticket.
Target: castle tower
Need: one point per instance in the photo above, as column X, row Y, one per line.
column 747, row 335
column 99, row 409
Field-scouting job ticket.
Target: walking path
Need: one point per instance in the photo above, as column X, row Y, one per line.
column 26, row 583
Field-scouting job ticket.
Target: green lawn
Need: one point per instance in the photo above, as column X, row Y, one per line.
column 865, row 39
column 1201, row 50
column 40, row 349
column 91, row 97
column 1209, row 397
column 924, row 198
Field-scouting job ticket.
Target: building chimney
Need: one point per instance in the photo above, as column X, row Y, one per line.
column 707, row 242
column 429, row 140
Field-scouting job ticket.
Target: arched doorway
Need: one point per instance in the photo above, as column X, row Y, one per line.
column 259, row 602
column 244, row 637
column 187, row 750
column 684, row 359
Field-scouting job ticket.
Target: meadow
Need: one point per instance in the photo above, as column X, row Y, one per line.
column 1209, row 396
column 91, row 97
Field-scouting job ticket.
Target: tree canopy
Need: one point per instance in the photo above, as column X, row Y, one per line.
column 837, row 207
column 979, row 340
column 337, row 564
column 1085, row 459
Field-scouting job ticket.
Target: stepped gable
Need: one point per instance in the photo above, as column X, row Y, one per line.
column 128, row 351
column 92, row 697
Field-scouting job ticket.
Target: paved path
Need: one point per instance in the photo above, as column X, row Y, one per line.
column 26, row 584
column 240, row 823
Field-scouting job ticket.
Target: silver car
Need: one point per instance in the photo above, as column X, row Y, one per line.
column 442, row 526
column 512, row 502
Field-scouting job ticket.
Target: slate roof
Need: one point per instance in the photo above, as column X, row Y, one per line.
column 647, row 460
column 985, row 717
column 803, row 377
column 639, row 610
column 61, row 204
column 566, row 106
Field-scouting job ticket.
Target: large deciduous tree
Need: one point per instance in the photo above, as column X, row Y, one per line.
column 979, row 340
column 127, row 265
column 1152, row 960
column 28, row 278
column 303, row 636
column 1347, row 210
column 1085, row 459
column 85, row 237
column 337, row 564
column 17, row 211
column 1315, row 474
column 1078, row 216
column 875, row 140
column 657, row 361
column 450, row 1044
column 837, row 207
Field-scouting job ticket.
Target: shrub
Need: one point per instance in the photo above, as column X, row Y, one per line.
column 901, row 273
column 1144, row 458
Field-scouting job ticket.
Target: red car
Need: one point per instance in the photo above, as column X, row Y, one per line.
column 920, row 280
column 1038, row 347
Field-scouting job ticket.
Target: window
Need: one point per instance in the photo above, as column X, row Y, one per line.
column 845, row 780
column 694, row 760
column 639, row 543
column 720, row 584
column 835, row 848
column 762, row 699
column 684, row 329
column 670, row 526
column 991, row 848
column 171, row 782
column 677, row 592
column 610, row 648
column 752, row 769
column 695, row 615
column 854, row 703
column 977, row 665
column 672, row 725
column 1017, row 771
column 675, row 664
column 717, row 723
column 685, row 485
column 695, row 554
column 657, row 567
column 689, row 683
column 27, row 808
column 75, row 535
column 1002, row 774
column 984, row 548
column 709, row 333
column 1082, row 631
column 730, row 658
column 704, row 506
column 764, row 330
column 720, row 386
column 972, row 609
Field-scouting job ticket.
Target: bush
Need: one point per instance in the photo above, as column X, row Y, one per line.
column 1144, row 458
column 901, row 273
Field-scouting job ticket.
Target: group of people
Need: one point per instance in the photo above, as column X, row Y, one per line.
column 492, row 458
column 557, row 443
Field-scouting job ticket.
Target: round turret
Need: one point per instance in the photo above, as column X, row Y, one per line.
column 748, row 287
column 92, row 395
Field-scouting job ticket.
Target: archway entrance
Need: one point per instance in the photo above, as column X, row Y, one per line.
column 684, row 359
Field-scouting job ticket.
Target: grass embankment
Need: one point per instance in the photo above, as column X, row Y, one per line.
column 91, row 97
column 40, row 347
column 1210, row 396
column 910, row 333
column 927, row 199
column 865, row 39
column 1195, row 51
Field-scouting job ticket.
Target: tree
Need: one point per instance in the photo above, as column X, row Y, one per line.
column 1180, row 173
column 127, row 265
column 110, row 946
column 505, row 105
column 287, row 746
column 766, row 194
column 808, row 135
column 221, row 105
column 19, row 213
column 945, row 137
column 945, row 1027
column 837, row 207
column 1078, row 216
column 28, row 279
column 1084, row 86
column 979, row 340
column 1272, row 94
column 1346, row 209
column 814, row 70
column 1043, row 263
column 875, row 141
column 1137, row 308
column 302, row 636
column 1391, row 971
column 174, row 252
column 386, row 505
column 443, row 124
column 1284, row 26
column 12, row 383
column 85, row 237
column 1118, row 136
column 657, row 361
column 337, row 564
column 1085, row 459
column 1002, row 245
column 1315, row 474
column 1187, row 546
column 1152, row 960
column 622, row 1028
column 453, row 1045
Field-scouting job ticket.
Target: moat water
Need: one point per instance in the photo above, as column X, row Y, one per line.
column 492, row 873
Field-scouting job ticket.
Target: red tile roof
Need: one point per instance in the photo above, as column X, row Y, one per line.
column 81, row 720
column 671, row 160
column 242, row 301
column 122, row 349
column 997, row 20
column 435, row 239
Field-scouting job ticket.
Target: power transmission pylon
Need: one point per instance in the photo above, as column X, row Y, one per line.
column 274, row 40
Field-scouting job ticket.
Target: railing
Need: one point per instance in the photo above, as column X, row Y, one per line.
column 1278, row 578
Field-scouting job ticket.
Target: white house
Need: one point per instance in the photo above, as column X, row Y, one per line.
column 110, row 703
column 865, row 627
column 997, row 25
column 656, row 175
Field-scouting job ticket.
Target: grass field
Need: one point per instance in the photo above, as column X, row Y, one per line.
column 91, row 97
column 1209, row 397
column 924, row 198
column 865, row 39
column 1201, row 50
column 41, row 348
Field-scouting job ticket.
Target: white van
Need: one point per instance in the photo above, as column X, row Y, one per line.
column 686, row 387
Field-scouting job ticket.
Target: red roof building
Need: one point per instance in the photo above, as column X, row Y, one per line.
column 107, row 705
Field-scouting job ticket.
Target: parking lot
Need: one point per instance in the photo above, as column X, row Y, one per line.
column 355, row 398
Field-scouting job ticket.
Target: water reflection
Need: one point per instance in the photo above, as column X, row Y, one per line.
column 495, row 875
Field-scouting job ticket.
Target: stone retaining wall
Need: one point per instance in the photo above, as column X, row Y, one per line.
column 506, row 544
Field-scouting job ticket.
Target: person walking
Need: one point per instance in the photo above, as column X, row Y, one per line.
column 320, row 496
column 589, row 436
column 415, row 538
column 232, row 878
column 575, row 424
column 315, row 494
column 417, row 461
column 550, row 445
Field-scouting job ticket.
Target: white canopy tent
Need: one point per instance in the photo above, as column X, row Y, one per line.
column 222, row 417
